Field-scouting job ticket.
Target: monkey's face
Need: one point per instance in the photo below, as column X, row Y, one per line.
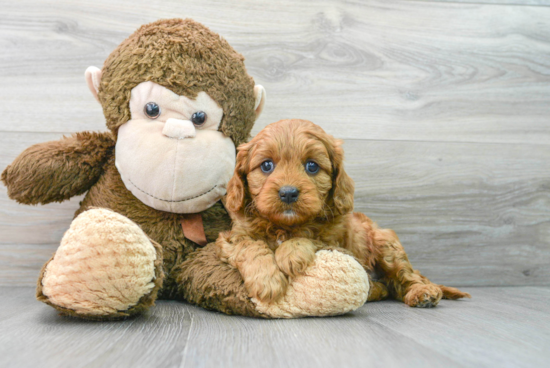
column 170, row 154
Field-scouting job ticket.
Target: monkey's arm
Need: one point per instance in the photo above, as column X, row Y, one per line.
column 58, row 170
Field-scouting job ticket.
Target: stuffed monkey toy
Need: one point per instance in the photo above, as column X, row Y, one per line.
column 177, row 101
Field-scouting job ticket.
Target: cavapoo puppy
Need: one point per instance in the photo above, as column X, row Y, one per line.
column 290, row 197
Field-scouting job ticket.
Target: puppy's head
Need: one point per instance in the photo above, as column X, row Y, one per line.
column 291, row 172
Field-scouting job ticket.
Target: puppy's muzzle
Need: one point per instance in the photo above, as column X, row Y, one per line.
column 289, row 194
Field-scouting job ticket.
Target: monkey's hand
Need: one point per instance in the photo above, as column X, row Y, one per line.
column 58, row 170
column 295, row 255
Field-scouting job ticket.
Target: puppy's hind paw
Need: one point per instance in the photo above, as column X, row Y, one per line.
column 423, row 296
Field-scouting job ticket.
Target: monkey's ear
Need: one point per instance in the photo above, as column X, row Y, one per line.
column 93, row 78
column 259, row 94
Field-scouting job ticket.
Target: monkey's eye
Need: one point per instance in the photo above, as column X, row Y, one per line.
column 152, row 110
column 198, row 118
column 267, row 166
column 312, row 167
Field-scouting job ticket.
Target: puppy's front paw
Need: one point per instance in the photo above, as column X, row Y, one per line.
column 267, row 286
column 423, row 296
column 295, row 255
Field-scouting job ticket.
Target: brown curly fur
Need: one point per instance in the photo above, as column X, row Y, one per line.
column 187, row 58
column 269, row 247
column 56, row 171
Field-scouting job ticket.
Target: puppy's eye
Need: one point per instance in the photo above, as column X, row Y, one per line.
column 198, row 118
column 152, row 110
column 267, row 166
column 312, row 167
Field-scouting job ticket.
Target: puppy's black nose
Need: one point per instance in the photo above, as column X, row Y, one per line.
column 289, row 194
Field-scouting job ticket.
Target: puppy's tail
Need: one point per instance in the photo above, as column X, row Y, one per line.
column 453, row 293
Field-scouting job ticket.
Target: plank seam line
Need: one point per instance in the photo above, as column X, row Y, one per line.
column 43, row 132
column 416, row 342
column 184, row 358
column 344, row 138
column 452, row 142
column 480, row 3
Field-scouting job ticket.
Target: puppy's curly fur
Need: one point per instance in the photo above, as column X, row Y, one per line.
column 275, row 237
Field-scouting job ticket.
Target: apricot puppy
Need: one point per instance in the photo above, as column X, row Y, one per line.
column 290, row 197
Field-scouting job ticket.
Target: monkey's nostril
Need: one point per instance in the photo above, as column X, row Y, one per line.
column 289, row 194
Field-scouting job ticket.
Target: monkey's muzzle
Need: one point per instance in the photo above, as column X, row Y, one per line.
column 179, row 129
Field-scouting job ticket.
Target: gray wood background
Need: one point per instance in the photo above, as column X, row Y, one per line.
column 444, row 107
column 500, row 327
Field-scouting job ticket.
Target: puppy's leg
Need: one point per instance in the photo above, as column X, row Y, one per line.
column 359, row 241
column 405, row 283
column 256, row 262
column 295, row 255
column 378, row 291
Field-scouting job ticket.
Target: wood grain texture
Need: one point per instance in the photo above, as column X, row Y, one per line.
column 153, row 340
column 400, row 70
column 506, row 327
column 496, row 2
column 444, row 108
column 472, row 214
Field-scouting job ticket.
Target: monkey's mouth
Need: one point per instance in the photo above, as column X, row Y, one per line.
column 173, row 200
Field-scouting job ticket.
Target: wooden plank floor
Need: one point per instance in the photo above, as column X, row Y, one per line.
column 499, row 327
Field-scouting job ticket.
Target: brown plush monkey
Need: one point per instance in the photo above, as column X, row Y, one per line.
column 177, row 100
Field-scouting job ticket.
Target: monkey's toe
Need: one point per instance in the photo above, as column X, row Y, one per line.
column 105, row 267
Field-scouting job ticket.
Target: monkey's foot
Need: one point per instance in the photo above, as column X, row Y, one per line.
column 423, row 296
column 105, row 268
column 334, row 284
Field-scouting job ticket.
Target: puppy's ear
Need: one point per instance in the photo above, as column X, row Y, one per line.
column 234, row 201
column 343, row 186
